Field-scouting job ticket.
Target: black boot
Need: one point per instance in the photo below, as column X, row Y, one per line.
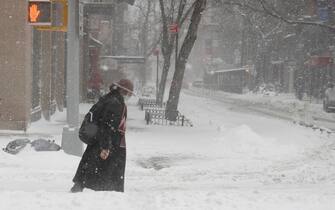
column 77, row 187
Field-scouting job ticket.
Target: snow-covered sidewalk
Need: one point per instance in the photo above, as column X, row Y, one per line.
column 228, row 160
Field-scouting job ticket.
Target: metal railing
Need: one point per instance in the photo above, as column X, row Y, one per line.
column 155, row 114
column 146, row 102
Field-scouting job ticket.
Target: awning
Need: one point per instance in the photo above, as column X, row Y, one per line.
column 94, row 42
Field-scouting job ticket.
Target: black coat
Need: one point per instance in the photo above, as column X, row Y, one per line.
column 93, row 172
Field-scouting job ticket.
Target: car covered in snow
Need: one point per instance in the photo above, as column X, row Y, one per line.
column 329, row 99
column 149, row 91
column 198, row 84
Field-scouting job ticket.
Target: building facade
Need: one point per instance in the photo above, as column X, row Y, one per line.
column 292, row 58
column 32, row 65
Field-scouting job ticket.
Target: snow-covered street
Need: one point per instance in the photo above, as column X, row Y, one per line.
column 228, row 160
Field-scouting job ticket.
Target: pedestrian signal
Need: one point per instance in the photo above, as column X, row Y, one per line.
column 39, row 12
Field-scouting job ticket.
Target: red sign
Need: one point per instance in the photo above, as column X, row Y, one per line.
column 156, row 52
column 39, row 12
column 319, row 61
column 173, row 28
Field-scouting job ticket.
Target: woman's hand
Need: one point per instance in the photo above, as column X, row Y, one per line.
column 104, row 154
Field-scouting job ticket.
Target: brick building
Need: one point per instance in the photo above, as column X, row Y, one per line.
column 33, row 62
column 32, row 65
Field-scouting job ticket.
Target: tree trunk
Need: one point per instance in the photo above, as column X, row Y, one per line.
column 166, row 51
column 187, row 46
column 144, row 41
column 162, row 84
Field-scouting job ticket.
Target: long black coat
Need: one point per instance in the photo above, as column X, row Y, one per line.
column 93, row 172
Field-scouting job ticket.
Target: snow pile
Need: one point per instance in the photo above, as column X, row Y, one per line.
column 243, row 140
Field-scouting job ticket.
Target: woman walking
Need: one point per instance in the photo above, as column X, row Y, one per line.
column 102, row 166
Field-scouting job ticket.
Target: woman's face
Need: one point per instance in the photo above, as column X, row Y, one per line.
column 126, row 95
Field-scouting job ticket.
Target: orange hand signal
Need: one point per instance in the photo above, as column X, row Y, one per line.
column 34, row 13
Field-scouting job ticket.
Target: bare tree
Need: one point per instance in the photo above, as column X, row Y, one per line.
column 170, row 13
column 183, row 55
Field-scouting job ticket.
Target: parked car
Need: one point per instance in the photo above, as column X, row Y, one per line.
column 198, row 84
column 149, row 91
column 329, row 99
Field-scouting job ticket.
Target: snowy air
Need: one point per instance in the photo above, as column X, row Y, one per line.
column 167, row 104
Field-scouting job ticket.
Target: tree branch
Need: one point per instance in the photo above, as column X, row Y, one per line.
column 180, row 11
column 165, row 32
column 276, row 14
column 187, row 14
column 273, row 13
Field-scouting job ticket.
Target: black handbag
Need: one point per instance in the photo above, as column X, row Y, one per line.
column 88, row 129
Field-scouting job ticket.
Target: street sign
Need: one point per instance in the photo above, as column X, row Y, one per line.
column 156, row 52
column 319, row 61
column 39, row 12
column 173, row 28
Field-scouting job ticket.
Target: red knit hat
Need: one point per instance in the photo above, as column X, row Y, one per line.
column 126, row 85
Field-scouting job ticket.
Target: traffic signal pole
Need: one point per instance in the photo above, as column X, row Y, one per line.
column 70, row 140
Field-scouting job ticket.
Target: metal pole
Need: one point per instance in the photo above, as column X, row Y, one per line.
column 70, row 140
column 177, row 37
column 157, row 78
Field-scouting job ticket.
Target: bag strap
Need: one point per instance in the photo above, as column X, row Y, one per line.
column 124, row 112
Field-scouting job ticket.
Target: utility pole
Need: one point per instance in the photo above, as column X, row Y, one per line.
column 70, row 140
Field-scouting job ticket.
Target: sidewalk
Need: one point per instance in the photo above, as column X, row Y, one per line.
column 53, row 129
column 41, row 129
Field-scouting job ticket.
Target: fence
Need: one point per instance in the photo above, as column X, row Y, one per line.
column 155, row 114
